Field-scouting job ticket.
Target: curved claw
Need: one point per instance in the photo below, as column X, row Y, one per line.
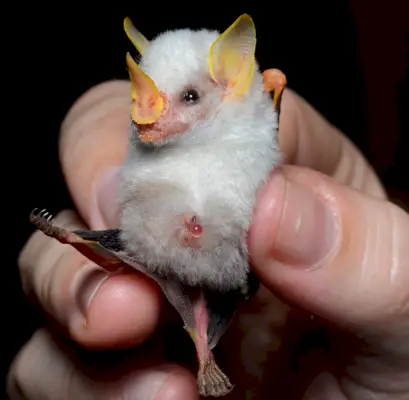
column 44, row 220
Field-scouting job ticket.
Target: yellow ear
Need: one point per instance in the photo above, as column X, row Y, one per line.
column 136, row 37
column 232, row 56
column 148, row 102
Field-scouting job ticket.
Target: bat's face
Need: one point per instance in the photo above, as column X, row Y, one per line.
column 190, row 78
column 177, row 63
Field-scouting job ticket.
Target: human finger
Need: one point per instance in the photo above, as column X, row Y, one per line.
column 47, row 368
column 307, row 139
column 98, row 308
column 341, row 255
column 333, row 249
column 93, row 143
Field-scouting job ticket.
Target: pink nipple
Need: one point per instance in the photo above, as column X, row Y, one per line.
column 196, row 230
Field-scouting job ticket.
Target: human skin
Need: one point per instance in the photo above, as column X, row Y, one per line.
column 324, row 239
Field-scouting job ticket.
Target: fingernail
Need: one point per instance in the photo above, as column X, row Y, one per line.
column 88, row 286
column 308, row 228
column 106, row 209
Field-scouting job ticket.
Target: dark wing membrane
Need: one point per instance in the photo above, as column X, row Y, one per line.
column 221, row 307
column 110, row 238
column 253, row 284
column 100, row 247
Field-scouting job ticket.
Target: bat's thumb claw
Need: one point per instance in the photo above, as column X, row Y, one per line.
column 211, row 381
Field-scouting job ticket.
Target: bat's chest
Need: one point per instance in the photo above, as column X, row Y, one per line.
column 162, row 192
column 206, row 172
column 219, row 183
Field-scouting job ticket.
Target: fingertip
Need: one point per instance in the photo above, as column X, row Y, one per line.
column 94, row 95
column 296, row 232
column 180, row 385
column 160, row 382
column 124, row 312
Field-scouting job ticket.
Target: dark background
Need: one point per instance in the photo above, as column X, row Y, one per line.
column 349, row 59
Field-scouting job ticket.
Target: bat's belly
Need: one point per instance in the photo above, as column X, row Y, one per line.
column 191, row 223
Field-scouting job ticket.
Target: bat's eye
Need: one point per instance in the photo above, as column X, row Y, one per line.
column 190, row 96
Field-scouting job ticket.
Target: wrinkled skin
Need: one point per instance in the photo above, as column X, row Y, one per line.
column 324, row 239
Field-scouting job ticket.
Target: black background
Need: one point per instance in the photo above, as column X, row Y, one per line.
column 59, row 51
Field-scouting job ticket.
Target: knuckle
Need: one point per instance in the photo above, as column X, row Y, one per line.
column 20, row 376
column 94, row 96
column 36, row 252
column 44, row 284
column 42, row 370
column 15, row 383
column 68, row 219
column 90, row 107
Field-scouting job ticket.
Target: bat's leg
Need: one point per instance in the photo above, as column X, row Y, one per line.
column 212, row 314
column 211, row 380
column 192, row 305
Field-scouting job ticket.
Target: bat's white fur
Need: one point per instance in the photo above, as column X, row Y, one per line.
column 213, row 170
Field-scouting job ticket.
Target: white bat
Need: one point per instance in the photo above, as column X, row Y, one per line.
column 203, row 140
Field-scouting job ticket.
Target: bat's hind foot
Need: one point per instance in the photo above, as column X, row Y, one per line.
column 44, row 221
column 211, row 381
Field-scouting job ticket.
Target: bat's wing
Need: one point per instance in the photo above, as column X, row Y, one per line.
column 206, row 314
column 104, row 247
column 275, row 82
column 221, row 307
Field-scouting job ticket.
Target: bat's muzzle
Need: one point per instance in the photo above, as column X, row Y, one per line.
column 167, row 126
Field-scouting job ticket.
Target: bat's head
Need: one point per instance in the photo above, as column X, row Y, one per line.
column 187, row 78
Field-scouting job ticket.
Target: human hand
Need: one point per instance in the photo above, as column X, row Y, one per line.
column 330, row 243
column 125, row 310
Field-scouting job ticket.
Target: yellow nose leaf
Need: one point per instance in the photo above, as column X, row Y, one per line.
column 148, row 102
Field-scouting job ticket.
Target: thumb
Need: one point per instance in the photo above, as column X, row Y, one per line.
column 332, row 250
